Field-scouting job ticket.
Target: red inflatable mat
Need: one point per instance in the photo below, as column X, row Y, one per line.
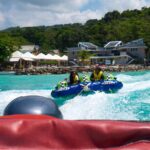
column 44, row 132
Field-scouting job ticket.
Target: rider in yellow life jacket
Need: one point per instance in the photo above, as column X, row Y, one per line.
column 97, row 74
column 74, row 78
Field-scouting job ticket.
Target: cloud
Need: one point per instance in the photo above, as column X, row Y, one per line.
column 45, row 12
column 1, row 17
column 121, row 5
column 50, row 18
column 51, row 5
column 50, row 12
column 53, row 2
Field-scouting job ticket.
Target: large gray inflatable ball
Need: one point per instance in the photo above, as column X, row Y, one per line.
column 33, row 105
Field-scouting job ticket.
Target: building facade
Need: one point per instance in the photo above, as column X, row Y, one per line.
column 29, row 48
column 113, row 53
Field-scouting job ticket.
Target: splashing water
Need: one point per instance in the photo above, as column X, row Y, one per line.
column 132, row 102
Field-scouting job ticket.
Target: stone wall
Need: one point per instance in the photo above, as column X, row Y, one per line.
column 62, row 70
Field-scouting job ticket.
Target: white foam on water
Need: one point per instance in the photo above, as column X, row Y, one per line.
column 104, row 106
column 98, row 106
column 124, row 78
column 130, row 87
column 128, row 78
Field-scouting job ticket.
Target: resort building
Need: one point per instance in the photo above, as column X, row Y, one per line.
column 29, row 48
column 114, row 52
column 56, row 51
column 73, row 53
column 87, row 46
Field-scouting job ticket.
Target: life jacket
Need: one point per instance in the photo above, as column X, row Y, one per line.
column 85, row 78
column 105, row 76
column 76, row 79
column 62, row 84
column 98, row 76
column 109, row 77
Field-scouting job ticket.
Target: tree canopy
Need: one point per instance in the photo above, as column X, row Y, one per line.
column 8, row 44
column 84, row 55
column 126, row 26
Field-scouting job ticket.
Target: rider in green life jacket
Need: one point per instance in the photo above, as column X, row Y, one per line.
column 62, row 84
column 85, row 78
column 109, row 76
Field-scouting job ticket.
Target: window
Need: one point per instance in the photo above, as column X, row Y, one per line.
column 134, row 49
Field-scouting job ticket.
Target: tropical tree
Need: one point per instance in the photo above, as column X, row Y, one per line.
column 125, row 26
column 7, row 46
column 84, row 56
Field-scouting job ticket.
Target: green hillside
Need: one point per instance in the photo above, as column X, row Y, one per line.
column 126, row 26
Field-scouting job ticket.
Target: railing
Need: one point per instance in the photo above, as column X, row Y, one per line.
column 133, row 56
column 131, row 59
column 73, row 63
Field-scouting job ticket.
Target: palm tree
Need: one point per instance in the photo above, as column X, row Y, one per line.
column 84, row 56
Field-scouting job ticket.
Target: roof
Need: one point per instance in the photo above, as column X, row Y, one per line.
column 28, row 56
column 135, row 43
column 64, row 58
column 79, row 49
column 113, row 44
column 16, row 54
column 28, row 48
column 87, row 45
column 14, row 59
column 41, row 56
column 56, row 51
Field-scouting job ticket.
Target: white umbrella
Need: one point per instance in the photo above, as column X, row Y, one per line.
column 16, row 54
column 49, row 57
column 41, row 56
column 15, row 57
column 28, row 56
column 56, row 57
column 64, row 58
column 27, row 59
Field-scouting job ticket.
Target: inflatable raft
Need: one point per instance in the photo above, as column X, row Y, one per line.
column 104, row 85
column 28, row 124
column 23, row 132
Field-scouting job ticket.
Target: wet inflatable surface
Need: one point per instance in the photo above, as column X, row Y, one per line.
column 104, row 85
column 45, row 132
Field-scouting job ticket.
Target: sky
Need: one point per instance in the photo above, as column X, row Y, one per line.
column 26, row 13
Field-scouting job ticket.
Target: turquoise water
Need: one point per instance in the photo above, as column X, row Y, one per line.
column 132, row 102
